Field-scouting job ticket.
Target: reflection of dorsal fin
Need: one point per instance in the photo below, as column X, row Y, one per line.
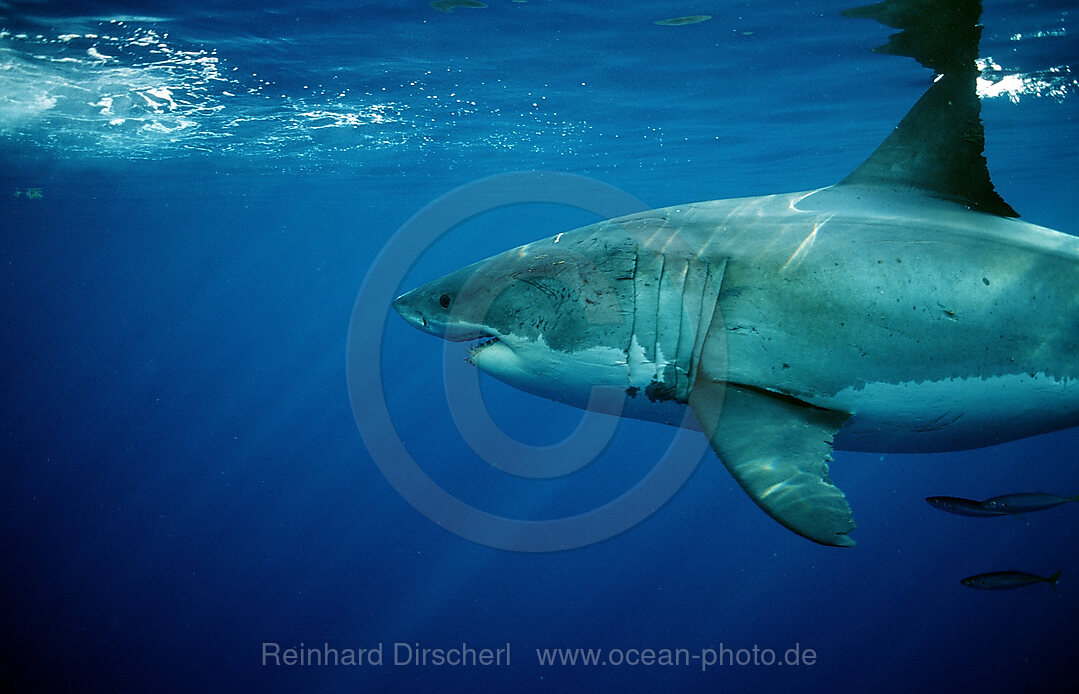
column 937, row 147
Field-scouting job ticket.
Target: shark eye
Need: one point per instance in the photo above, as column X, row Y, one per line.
column 444, row 301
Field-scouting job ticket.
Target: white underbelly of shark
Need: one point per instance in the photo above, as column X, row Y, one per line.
column 952, row 414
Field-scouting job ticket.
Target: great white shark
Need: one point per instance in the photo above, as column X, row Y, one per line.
column 903, row 309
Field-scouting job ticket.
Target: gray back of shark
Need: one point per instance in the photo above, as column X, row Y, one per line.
column 904, row 309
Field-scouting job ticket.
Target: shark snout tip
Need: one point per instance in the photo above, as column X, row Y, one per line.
column 408, row 312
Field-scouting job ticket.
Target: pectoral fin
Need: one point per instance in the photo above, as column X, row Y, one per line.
column 778, row 449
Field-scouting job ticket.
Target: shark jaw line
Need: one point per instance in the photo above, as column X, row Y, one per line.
column 484, row 343
column 460, row 331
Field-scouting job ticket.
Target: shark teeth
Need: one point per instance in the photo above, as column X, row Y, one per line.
column 474, row 350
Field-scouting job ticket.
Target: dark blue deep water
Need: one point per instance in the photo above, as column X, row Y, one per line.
column 192, row 199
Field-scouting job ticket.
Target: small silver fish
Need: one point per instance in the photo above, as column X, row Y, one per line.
column 1004, row 580
column 963, row 507
column 1026, row 502
column 1004, row 505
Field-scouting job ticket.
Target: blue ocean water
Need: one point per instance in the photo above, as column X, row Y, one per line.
column 192, row 201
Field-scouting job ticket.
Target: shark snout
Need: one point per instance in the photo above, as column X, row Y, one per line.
column 426, row 312
column 412, row 315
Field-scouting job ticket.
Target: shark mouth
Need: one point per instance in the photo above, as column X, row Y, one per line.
column 479, row 347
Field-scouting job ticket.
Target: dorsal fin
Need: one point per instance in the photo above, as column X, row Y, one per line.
column 938, row 146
